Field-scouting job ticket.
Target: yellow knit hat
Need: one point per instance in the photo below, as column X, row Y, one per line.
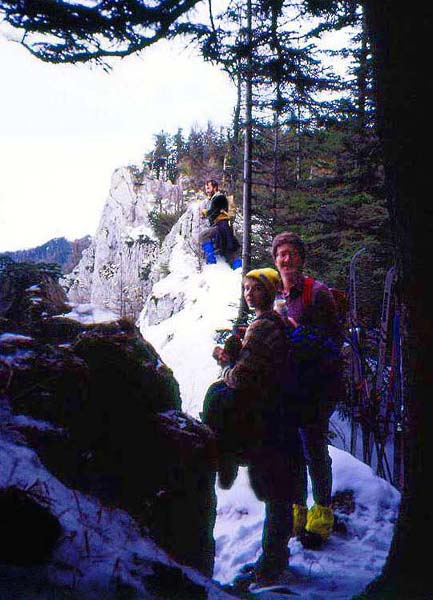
column 269, row 277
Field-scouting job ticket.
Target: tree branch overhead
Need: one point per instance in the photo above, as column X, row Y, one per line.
column 58, row 31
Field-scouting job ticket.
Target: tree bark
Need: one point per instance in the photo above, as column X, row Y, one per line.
column 403, row 89
column 246, row 234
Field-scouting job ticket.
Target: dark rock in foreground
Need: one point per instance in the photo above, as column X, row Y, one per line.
column 102, row 411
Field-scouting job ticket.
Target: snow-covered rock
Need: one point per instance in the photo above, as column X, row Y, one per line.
column 97, row 551
column 183, row 311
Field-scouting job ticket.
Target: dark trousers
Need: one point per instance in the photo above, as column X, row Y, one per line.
column 314, row 437
column 275, row 465
column 223, row 238
column 276, row 479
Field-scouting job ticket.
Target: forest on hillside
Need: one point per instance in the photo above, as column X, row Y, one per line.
column 302, row 150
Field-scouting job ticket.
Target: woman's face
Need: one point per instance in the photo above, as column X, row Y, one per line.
column 256, row 295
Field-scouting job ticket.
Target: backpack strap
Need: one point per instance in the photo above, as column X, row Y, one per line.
column 307, row 292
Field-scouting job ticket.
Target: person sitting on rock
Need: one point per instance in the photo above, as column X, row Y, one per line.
column 218, row 237
column 248, row 412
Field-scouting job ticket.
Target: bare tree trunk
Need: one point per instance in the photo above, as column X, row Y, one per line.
column 362, row 93
column 237, row 113
column 232, row 174
column 298, row 148
column 246, row 235
column 275, row 166
column 397, row 32
column 361, row 78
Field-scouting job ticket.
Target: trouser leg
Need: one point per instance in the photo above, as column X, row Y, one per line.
column 315, row 439
column 216, row 414
column 207, row 242
column 277, row 529
column 272, row 474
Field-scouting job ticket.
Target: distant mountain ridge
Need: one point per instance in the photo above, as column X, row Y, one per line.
column 65, row 253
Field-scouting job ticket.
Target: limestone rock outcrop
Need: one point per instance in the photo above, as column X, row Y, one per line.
column 114, row 270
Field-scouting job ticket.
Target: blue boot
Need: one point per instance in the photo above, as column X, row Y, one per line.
column 209, row 252
column 236, row 263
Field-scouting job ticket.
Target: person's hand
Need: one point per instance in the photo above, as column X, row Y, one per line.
column 232, row 347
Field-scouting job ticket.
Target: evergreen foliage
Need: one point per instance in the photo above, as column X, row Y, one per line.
column 331, row 191
column 198, row 157
column 333, row 205
column 60, row 31
column 162, row 223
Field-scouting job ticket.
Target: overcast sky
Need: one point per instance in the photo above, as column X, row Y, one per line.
column 64, row 129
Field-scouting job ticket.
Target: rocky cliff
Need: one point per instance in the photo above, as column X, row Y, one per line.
column 114, row 272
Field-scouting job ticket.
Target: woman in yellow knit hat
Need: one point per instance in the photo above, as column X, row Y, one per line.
column 248, row 412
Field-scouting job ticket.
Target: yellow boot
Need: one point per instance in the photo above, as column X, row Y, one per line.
column 320, row 522
column 299, row 519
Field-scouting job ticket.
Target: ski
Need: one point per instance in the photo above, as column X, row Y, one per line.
column 356, row 366
column 382, row 400
column 383, row 331
column 377, row 405
column 397, row 393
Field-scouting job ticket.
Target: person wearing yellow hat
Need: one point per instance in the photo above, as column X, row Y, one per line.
column 246, row 411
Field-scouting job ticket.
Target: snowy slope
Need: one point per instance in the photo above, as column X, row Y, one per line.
column 185, row 341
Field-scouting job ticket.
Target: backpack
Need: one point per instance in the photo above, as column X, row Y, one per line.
column 231, row 212
column 313, row 372
column 340, row 297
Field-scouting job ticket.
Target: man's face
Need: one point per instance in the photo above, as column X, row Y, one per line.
column 288, row 260
column 209, row 189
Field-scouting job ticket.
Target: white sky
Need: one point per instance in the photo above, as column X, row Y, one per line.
column 64, row 129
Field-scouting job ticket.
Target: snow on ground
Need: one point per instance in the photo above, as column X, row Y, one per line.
column 185, row 342
column 14, row 337
column 90, row 314
column 349, row 560
column 113, row 541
